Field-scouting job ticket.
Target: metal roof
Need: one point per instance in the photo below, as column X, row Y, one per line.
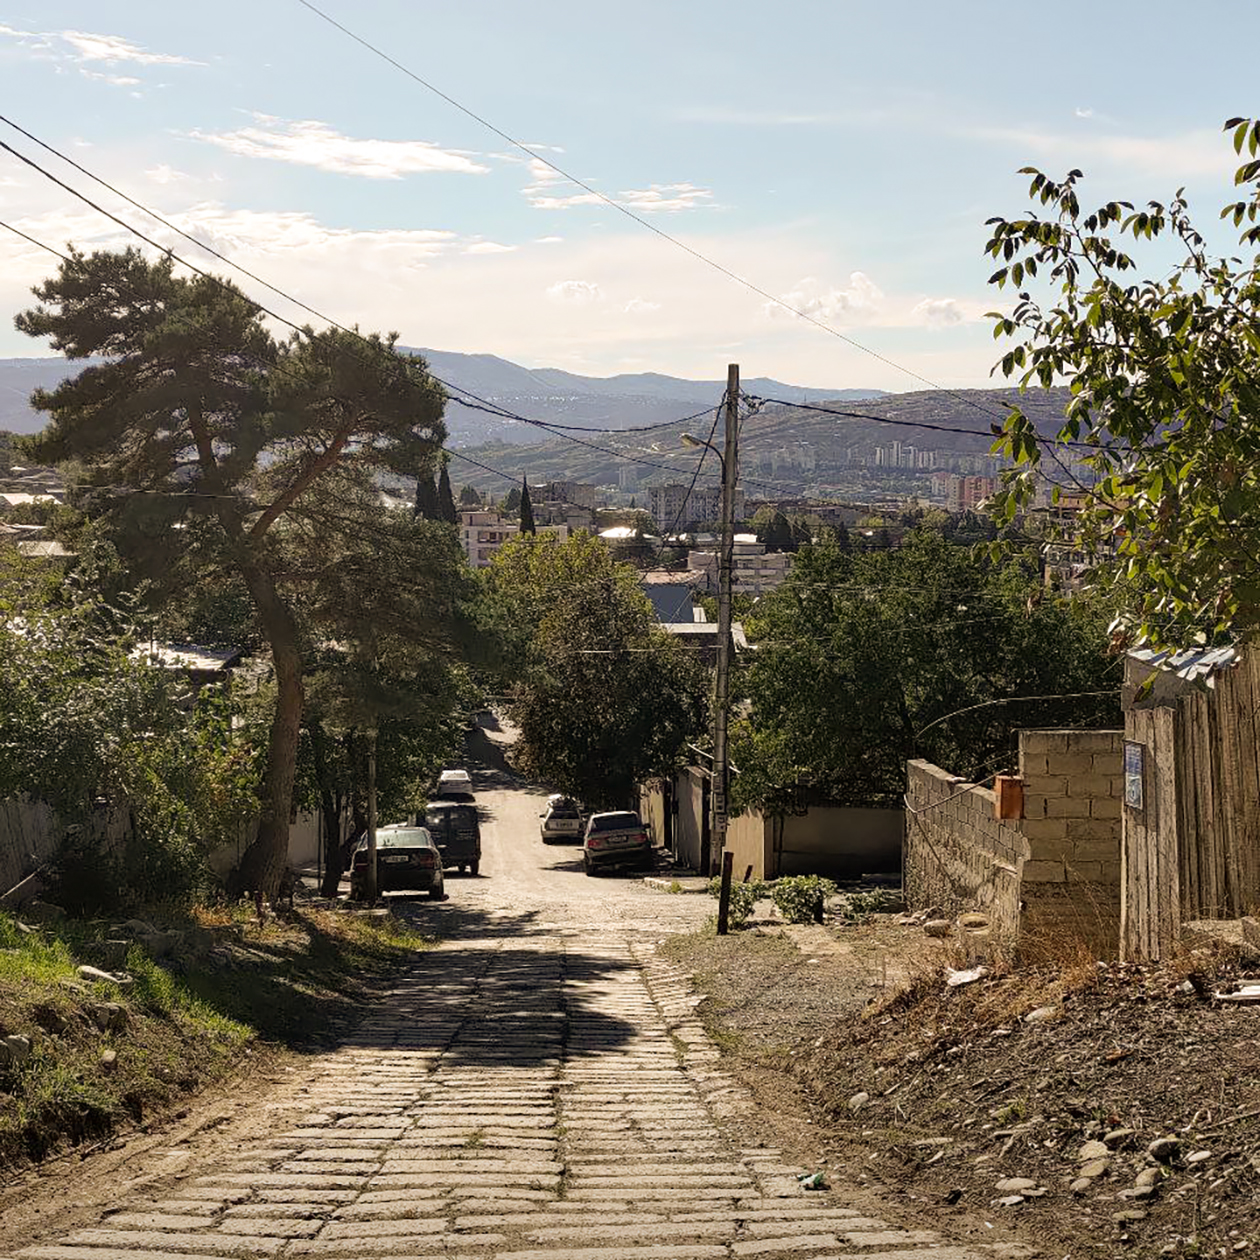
column 1190, row 663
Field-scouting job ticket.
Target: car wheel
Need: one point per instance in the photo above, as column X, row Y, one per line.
column 587, row 866
column 475, row 867
column 437, row 892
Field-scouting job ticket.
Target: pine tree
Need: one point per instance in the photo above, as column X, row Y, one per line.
column 446, row 500
column 527, row 511
column 469, row 496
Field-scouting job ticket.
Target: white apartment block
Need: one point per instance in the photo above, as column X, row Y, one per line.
column 482, row 533
column 754, row 570
column 674, row 507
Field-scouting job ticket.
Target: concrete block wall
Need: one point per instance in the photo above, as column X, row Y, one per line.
column 958, row 856
column 1073, row 787
column 1050, row 876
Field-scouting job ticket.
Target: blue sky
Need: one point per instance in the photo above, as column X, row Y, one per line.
column 843, row 156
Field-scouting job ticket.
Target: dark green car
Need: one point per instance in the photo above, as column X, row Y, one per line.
column 455, row 827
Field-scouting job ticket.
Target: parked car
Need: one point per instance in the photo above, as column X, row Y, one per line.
column 615, row 839
column 456, row 830
column 454, row 783
column 561, row 820
column 407, row 860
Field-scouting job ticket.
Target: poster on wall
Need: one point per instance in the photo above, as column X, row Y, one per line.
column 1134, row 766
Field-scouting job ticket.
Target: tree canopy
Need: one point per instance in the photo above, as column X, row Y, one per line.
column 199, row 430
column 857, row 653
column 1161, row 438
column 605, row 698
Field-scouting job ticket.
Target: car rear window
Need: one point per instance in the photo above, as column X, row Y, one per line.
column 460, row 815
column 404, row 838
column 615, row 822
column 564, row 811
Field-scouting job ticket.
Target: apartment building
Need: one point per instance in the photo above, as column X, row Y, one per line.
column 754, row 570
column 482, row 532
column 679, row 507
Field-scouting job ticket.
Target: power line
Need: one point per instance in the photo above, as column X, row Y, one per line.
column 56, row 253
column 481, row 404
column 621, row 208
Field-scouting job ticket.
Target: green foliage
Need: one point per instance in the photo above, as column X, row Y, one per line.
column 743, row 898
column 527, row 510
column 1163, row 424
column 859, row 652
column 605, row 700
column 798, row 897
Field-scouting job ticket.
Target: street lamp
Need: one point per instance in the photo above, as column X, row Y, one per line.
column 722, row 677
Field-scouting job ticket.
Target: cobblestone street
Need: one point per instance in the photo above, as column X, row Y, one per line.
column 538, row 1088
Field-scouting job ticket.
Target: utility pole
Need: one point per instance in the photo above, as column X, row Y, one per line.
column 722, row 685
column 371, row 812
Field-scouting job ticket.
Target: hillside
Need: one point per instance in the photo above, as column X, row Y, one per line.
column 836, row 440
column 614, row 402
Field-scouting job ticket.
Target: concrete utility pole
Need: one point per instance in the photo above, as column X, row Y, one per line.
column 370, row 882
column 722, row 686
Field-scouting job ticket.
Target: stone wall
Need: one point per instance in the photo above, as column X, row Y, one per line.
column 1050, row 877
column 958, row 856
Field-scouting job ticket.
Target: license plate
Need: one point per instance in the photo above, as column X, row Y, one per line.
column 619, row 842
column 396, row 857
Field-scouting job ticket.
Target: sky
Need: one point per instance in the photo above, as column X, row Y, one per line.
column 840, row 156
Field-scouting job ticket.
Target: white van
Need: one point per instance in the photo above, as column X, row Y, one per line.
column 454, row 783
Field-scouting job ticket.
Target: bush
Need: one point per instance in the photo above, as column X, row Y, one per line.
column 799, row 896
column 743, row 897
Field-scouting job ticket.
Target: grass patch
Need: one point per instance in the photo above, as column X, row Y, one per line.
column 180, row 1024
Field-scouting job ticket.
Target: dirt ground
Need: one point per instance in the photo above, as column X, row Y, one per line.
column 951, row 1099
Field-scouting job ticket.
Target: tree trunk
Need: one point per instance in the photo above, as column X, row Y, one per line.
column 263, row 864
column 330, row 809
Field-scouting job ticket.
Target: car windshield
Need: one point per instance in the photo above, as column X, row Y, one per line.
column 565, row 809
column 403, row 838
column 615, row 822
column 458, row 815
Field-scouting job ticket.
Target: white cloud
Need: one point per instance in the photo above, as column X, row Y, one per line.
column 543, row 202
column 667, row 197
column 860, row 299
column 576, row 292
column 489, row 247
column 1200, row 152
column 311, row 143
column 1082, row 111
column 640, row 306
column 549, row 240
column 163, row 174
column 114, row 80
column 80, row 47
column 937, row 312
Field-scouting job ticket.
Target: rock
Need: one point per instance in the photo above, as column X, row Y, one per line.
column 1093, row 1150
column 43, row 911
column 1139, row 1192
column 1197, row 1157
column 938, row 927
column 1010, row 1200
column 955, row 978
column 14, row 1050
column 858, row 1101
column 52, row 1020
column 1041, row 1015
column 138, row 927
column 109, row 1060
column 94, row 975
column 108, row 1016
column 1149, row 1177
column 1129, row 1214
column 1117, row 1138
column 1095, row 1167
column 111, row 954
column 1081, row 1185
column 1164, row 1148
column 1015, row 1185
column 973, row 922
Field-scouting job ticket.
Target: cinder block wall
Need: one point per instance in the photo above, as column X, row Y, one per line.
column 1073, row 785
column 958, row 856
column 1050, row 877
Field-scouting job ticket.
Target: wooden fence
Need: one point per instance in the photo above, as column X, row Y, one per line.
column 1192, row 851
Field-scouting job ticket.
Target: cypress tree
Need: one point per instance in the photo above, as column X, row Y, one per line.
column 445, row 499
column 527, row 510
column 426, row 508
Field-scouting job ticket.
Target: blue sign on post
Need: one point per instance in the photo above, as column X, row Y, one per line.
column 1134, row 772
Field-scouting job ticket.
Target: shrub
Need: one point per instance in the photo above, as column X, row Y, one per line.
column 798, row 896
column 743, row 898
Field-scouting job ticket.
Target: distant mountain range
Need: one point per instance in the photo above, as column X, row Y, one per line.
column 614, row 402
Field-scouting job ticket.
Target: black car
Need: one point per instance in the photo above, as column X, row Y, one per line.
column 455, row 826
column 407, row 860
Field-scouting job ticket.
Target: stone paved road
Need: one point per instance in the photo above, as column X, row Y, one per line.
column 536, row 1089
